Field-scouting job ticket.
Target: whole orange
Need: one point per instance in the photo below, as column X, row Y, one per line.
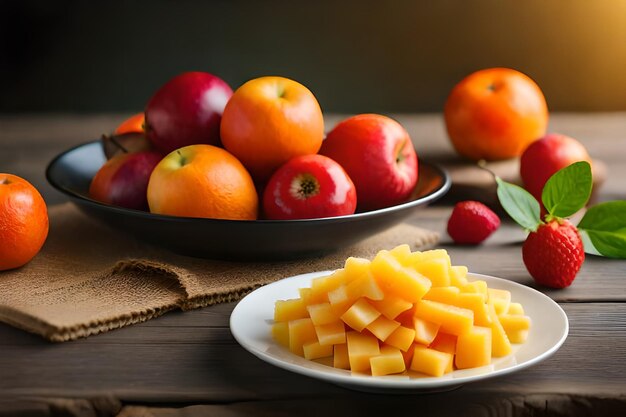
column 134, row 124
column 202, row 181
column 495, row 114
column 270, row 120
column 23, row 221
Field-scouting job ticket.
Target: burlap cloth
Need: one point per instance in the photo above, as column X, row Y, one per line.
column 89, row 278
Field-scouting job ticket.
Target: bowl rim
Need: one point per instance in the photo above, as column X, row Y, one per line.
column 434, row 195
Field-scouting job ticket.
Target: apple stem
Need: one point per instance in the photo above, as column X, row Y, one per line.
column 116, row 143
column 482, row 164
column 183, row 160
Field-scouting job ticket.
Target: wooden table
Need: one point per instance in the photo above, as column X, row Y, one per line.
column 188, row 363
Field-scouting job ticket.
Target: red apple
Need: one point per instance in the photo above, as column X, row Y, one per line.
column 123, row 180
column 378, row 155
column 307, row 187
column 187, row 110
column 545, row 157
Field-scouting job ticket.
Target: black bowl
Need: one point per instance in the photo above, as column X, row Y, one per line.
column 71, row 173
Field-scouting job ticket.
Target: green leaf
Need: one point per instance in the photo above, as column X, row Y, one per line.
column 520, row 204
column 568, row 190
column 605, row 225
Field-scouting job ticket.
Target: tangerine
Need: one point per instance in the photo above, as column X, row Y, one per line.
column 495, row 114
column 270, row 120
column 23, row 221
column 134, row 124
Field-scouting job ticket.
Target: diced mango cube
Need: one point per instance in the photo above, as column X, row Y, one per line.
column 444, row 342
column 454, row 320
column 500, row 344
column 425, row 331
column 436, row 270
column 287, row 310
column 382, row 327
column 473, row 348
column 391, row 306
column 301, row 332
column 360, row 315
column 476, row 303
column 314, row 350
column 340, row 300
column 397, row 280
column 428, row 255
column 390, row 361
column 515, row 309
column 430, row 361
column 308, row 297
column 517, row 336
column 501, row 299
column 331, row 333
column 361, row 348
column 341, row 360
column 446, row 295
column 322, row 313
column 364, row 286
column 355, row 268
column 514, row 322
column 402, row 253
column 401, row 338
column 322, row 285
column 478, row 287
column 458, row 276
column 280, row 333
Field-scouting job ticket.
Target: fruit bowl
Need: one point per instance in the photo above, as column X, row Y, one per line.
column 71, row 173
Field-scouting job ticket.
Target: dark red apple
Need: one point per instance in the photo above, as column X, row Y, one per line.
column 307, row 187
column 123, row 180
column 378, row 155
column 545, row 156
column 187, row 110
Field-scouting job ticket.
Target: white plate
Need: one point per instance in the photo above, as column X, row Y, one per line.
column 252, row 318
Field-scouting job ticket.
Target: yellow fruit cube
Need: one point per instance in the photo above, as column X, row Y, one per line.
column 473, row 348
column 355, row 268
column 512, row 323
column 341, row 360
column 476, row 303
column 430, row 361
column 425, row 331
column 331, row 333
column 401, row 338
column 515, row 309
column 361, row 347
column 390, row 361
column 391, row 306
column 382, row 327
column 308, row 297
column 501, row 299
column 301, row 332
column 402, row 253
column 517, row 336
column 322, row 285
column 436, row 270
column 360, row 315
column 314, row 350
column 452, row 319
column 280, row 333
column 444, row 342
column 500, row 344
column 458, row 276
column 478, row 287
column 287, row 310
column 428, row 255
column 365, row 286
column 340, row 300
column 322, row 313
column 446, row 295
column 397, row 280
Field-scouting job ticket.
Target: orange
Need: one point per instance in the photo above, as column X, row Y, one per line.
column 270, row 120
column 134, row 124
column 23, row 221
column 495, row 114
column 202, row 181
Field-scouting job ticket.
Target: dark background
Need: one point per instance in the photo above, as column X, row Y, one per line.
column 355, row 55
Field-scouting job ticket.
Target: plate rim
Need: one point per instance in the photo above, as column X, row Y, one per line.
column 385, row 383
column 434, row 195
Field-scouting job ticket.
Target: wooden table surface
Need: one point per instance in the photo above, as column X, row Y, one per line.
column 189, row 364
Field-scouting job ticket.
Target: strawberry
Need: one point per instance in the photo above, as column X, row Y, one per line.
column 472, row 222
column 554, row 253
